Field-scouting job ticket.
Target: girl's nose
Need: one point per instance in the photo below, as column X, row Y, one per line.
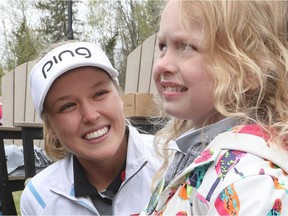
column 90, row 113
column 165, row 63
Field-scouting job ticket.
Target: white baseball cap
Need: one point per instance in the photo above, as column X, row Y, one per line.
column 62, row 59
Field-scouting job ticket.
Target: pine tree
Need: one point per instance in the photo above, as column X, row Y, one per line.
column 20, row 43
column 25, row 47
column 54, row 19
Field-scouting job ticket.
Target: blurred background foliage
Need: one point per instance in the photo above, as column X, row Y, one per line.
column 118, row 26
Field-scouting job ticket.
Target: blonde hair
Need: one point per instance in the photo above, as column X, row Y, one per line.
column 53, row 148
column 246, row 44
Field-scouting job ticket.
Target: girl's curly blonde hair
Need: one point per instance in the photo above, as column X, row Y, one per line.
column 246, row 44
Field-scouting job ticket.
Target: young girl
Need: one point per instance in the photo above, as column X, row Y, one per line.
column 104, row 166
column 222, row 72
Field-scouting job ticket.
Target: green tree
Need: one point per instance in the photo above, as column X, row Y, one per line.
column 25, row 46
column 120, row 26
column 136, row 20
column 8, row 62
column 54, row 19
column 20, row 42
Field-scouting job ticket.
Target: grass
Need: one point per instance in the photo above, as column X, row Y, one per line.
column 16, row 196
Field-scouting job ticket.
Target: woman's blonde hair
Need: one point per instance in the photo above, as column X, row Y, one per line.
column 246, row 44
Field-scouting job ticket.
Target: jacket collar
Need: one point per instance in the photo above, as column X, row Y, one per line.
column 135, row 152
column 135, row 158
column 205, row 134
column 230, row 140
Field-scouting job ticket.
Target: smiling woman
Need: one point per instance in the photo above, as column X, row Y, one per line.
column 97, row 129
column 104, row 166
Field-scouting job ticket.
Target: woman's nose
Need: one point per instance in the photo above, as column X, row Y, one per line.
column 90, row 113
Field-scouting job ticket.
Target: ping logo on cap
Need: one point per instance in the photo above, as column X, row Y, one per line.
column 80, row 51
column 62, row 59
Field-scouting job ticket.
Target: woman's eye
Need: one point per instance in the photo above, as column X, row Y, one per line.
column 66, row 106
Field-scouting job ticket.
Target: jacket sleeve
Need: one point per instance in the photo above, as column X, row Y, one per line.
column 28, row 202
column 253, row 195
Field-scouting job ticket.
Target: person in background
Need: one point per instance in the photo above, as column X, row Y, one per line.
column 103, row 165
column 222, row 72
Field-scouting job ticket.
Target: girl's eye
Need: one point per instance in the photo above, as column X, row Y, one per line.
column 66, row 106
column 185, row 46
column 162, row 46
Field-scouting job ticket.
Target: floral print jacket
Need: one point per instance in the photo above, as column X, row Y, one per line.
column 237, row 174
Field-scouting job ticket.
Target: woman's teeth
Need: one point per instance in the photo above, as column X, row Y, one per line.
column 97, row 134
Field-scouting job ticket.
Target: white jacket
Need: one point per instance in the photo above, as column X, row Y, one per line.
column 51, row 192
